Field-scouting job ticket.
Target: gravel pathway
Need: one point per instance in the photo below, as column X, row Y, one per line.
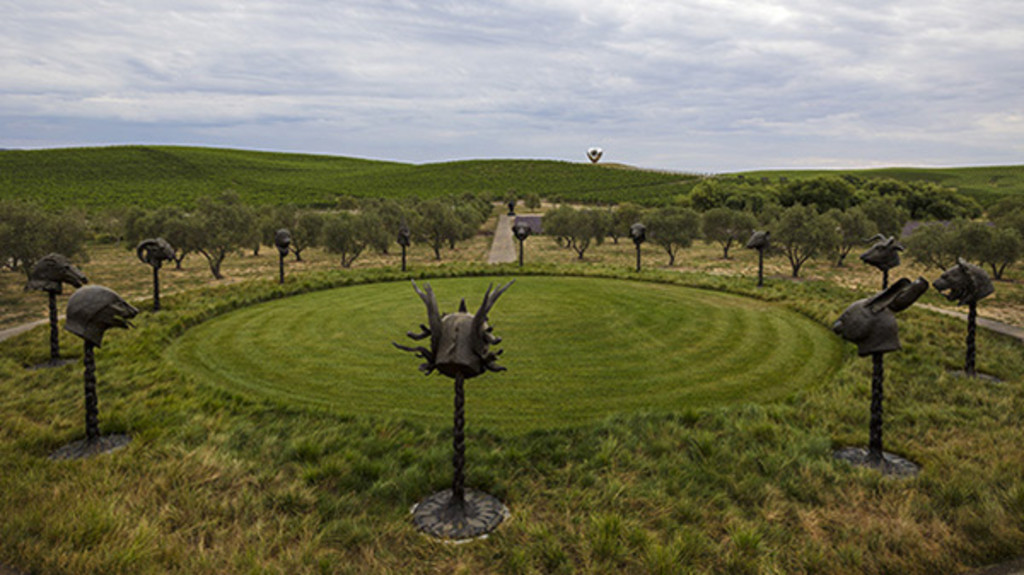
column 503, row 249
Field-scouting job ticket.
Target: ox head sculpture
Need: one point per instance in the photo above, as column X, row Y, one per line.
column 966, row 282
column 283, row 241
column 871, row 322
column 759, row 240
column 154, row 251
column 93, row 310
column 884, row 254
column 51, row 272
column 459, row 342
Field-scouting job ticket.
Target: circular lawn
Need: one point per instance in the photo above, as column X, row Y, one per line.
column 577, row 350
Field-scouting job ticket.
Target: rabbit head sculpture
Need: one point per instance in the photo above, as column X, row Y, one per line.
column 871, row 322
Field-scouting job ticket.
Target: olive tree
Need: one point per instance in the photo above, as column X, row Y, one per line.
column 223, row 225
column 727, row 227
column 852, row 228
column 578, row 228
column 29, row 232
column 348, row 234
column 673, row 228
column 801, row 234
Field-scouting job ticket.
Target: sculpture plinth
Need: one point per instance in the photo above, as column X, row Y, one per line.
column 49, row 274
column 967, row 284
column 460, row 349
column 871, row 324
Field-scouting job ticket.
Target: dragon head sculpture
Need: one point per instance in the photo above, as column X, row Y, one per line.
column 966, row 283
column 759, row 240
column 884, row 254
column 154, row 251
column 93, row 310
column 459, row 342
column 871, row 322
column 51, row 272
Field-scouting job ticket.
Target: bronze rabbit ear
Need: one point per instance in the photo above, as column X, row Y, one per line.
column 871, row 322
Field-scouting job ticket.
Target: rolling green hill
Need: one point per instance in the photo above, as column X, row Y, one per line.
column 985, row 184
column 151, row 176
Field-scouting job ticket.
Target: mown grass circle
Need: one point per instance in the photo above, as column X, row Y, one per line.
column 577, row 350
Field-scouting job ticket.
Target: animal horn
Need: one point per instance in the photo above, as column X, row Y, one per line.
column 876, row 237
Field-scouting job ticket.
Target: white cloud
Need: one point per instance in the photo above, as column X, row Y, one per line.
column 697, row 84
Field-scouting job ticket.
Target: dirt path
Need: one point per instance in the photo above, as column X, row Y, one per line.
column 503, row 249
column 990, row 324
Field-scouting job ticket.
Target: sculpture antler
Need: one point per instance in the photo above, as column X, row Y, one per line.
column 485, row 307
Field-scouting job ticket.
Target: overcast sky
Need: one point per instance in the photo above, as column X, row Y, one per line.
column 690, row 85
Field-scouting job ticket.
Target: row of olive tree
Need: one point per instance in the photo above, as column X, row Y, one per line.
column 799, row 232
column 997, row 244
column 28, row 232
column 222, row 225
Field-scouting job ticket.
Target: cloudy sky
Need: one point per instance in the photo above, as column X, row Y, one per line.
column 691, row 85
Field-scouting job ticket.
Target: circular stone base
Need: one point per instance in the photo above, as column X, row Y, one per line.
column 84, row 448
column 437, row 517
column 892, row 465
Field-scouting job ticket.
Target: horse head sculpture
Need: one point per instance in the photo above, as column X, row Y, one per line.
column 884, row 254
column 154, row 251
column 51, row 272
column 871, row 324
column 966, row 283
column 459, row 342
column 93, row 310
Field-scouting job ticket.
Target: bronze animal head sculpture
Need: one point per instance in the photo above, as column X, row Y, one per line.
column 154, row 251
column 404, row 236
column 759, row 240
column 521, row 230
column 966, row 283
column 638, row 232
column 51, row 272
column 283, row 241
column 459, row 342
column 871, row 324
column 93, row 310
column 884, row 254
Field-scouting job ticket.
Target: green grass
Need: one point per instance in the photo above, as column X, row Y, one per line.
column 577, row 351
column 154, row 176
column 221, row 482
